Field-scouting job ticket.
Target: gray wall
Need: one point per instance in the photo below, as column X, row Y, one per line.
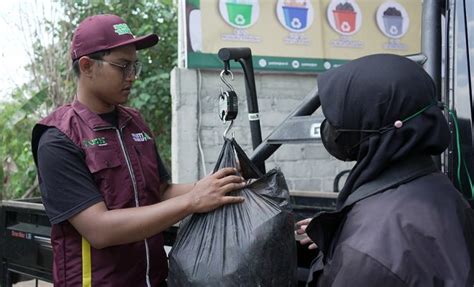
column 197, row 130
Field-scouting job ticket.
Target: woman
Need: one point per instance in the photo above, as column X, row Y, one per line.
column 398, row 221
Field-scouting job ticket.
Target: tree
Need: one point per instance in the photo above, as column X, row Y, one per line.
column 53, row 83
column 151, row 92
column 16, row 121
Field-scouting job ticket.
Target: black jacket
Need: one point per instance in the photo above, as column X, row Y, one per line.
column 408, row 227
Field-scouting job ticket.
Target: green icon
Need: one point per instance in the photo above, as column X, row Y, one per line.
column 239, row 14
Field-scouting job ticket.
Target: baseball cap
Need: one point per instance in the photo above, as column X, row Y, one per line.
column 104, row 32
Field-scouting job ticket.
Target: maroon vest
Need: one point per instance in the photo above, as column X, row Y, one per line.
column 123, row 162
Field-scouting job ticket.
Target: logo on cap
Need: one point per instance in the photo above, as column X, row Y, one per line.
column 122, row 29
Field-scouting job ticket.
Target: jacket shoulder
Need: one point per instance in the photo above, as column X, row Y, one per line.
column 58, row 114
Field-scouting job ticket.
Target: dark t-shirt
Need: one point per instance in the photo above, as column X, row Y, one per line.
column 66, row 184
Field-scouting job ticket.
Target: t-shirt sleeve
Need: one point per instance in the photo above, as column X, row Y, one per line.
column 162, row 171
column 66, row 184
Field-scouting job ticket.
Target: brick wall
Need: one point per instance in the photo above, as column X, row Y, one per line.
column 307, row 167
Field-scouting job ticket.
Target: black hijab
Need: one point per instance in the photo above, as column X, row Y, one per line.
column 372, row 93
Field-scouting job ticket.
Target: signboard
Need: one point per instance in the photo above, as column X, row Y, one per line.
column 299, row 35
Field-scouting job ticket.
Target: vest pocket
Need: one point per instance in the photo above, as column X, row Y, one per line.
column 101, row 159
column 111, row 177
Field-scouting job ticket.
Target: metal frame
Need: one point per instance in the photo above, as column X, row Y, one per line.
column 430, row 59
column 457, row 34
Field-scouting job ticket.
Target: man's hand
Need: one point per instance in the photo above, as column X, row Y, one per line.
column 104, row 228
column 210, row 192
column 301, row 230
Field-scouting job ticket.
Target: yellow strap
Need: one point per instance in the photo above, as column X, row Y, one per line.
column 86, row 264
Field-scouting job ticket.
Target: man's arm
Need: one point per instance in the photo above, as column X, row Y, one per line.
column 171, row 190
column 103, row 228
column 70, row 193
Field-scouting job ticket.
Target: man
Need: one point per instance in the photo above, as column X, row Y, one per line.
column 102, row 181
column 398, row 221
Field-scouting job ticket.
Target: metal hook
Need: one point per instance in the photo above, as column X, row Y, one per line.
column 228, row 129
column 226, row 67
column 226, row 72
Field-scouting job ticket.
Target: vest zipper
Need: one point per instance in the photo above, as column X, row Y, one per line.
column 135, row 191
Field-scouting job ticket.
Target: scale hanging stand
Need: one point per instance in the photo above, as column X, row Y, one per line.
column 228, row 101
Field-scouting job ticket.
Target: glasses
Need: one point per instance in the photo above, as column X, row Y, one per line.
column 127, row 69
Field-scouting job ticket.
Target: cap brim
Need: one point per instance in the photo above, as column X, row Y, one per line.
column 142, row 42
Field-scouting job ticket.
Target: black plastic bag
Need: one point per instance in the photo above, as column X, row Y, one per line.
column 246, row 244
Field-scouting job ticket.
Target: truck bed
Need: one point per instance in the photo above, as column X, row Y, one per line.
column 25, row 245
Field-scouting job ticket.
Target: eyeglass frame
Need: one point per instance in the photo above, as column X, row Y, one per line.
column 136, row 67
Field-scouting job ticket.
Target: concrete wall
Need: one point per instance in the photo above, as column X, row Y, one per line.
column 197, row 130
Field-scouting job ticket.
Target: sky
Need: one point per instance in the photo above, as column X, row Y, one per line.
column 17, row 22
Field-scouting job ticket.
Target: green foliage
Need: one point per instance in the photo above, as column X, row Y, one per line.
column 50, row 68
column 16, row 122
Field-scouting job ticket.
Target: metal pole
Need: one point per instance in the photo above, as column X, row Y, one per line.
column 431, row 41
column 310, row 104
column 244, row 57
column 431, row 47
column 252, row 104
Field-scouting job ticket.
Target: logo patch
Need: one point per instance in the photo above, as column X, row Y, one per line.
column 122, row 29
column 141, row 137
column 102, row 141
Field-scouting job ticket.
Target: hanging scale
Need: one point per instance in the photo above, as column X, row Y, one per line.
column 228, row 102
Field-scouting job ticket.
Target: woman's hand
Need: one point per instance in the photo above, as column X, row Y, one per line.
column 301, row 230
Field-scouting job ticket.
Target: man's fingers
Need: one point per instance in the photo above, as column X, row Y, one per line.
column 238, row 166
column 232, row 199
column 230, row 179
column 225, row 172
column 312, row 246
column 232, row 186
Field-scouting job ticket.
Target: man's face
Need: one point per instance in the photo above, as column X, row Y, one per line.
column 113, row 76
